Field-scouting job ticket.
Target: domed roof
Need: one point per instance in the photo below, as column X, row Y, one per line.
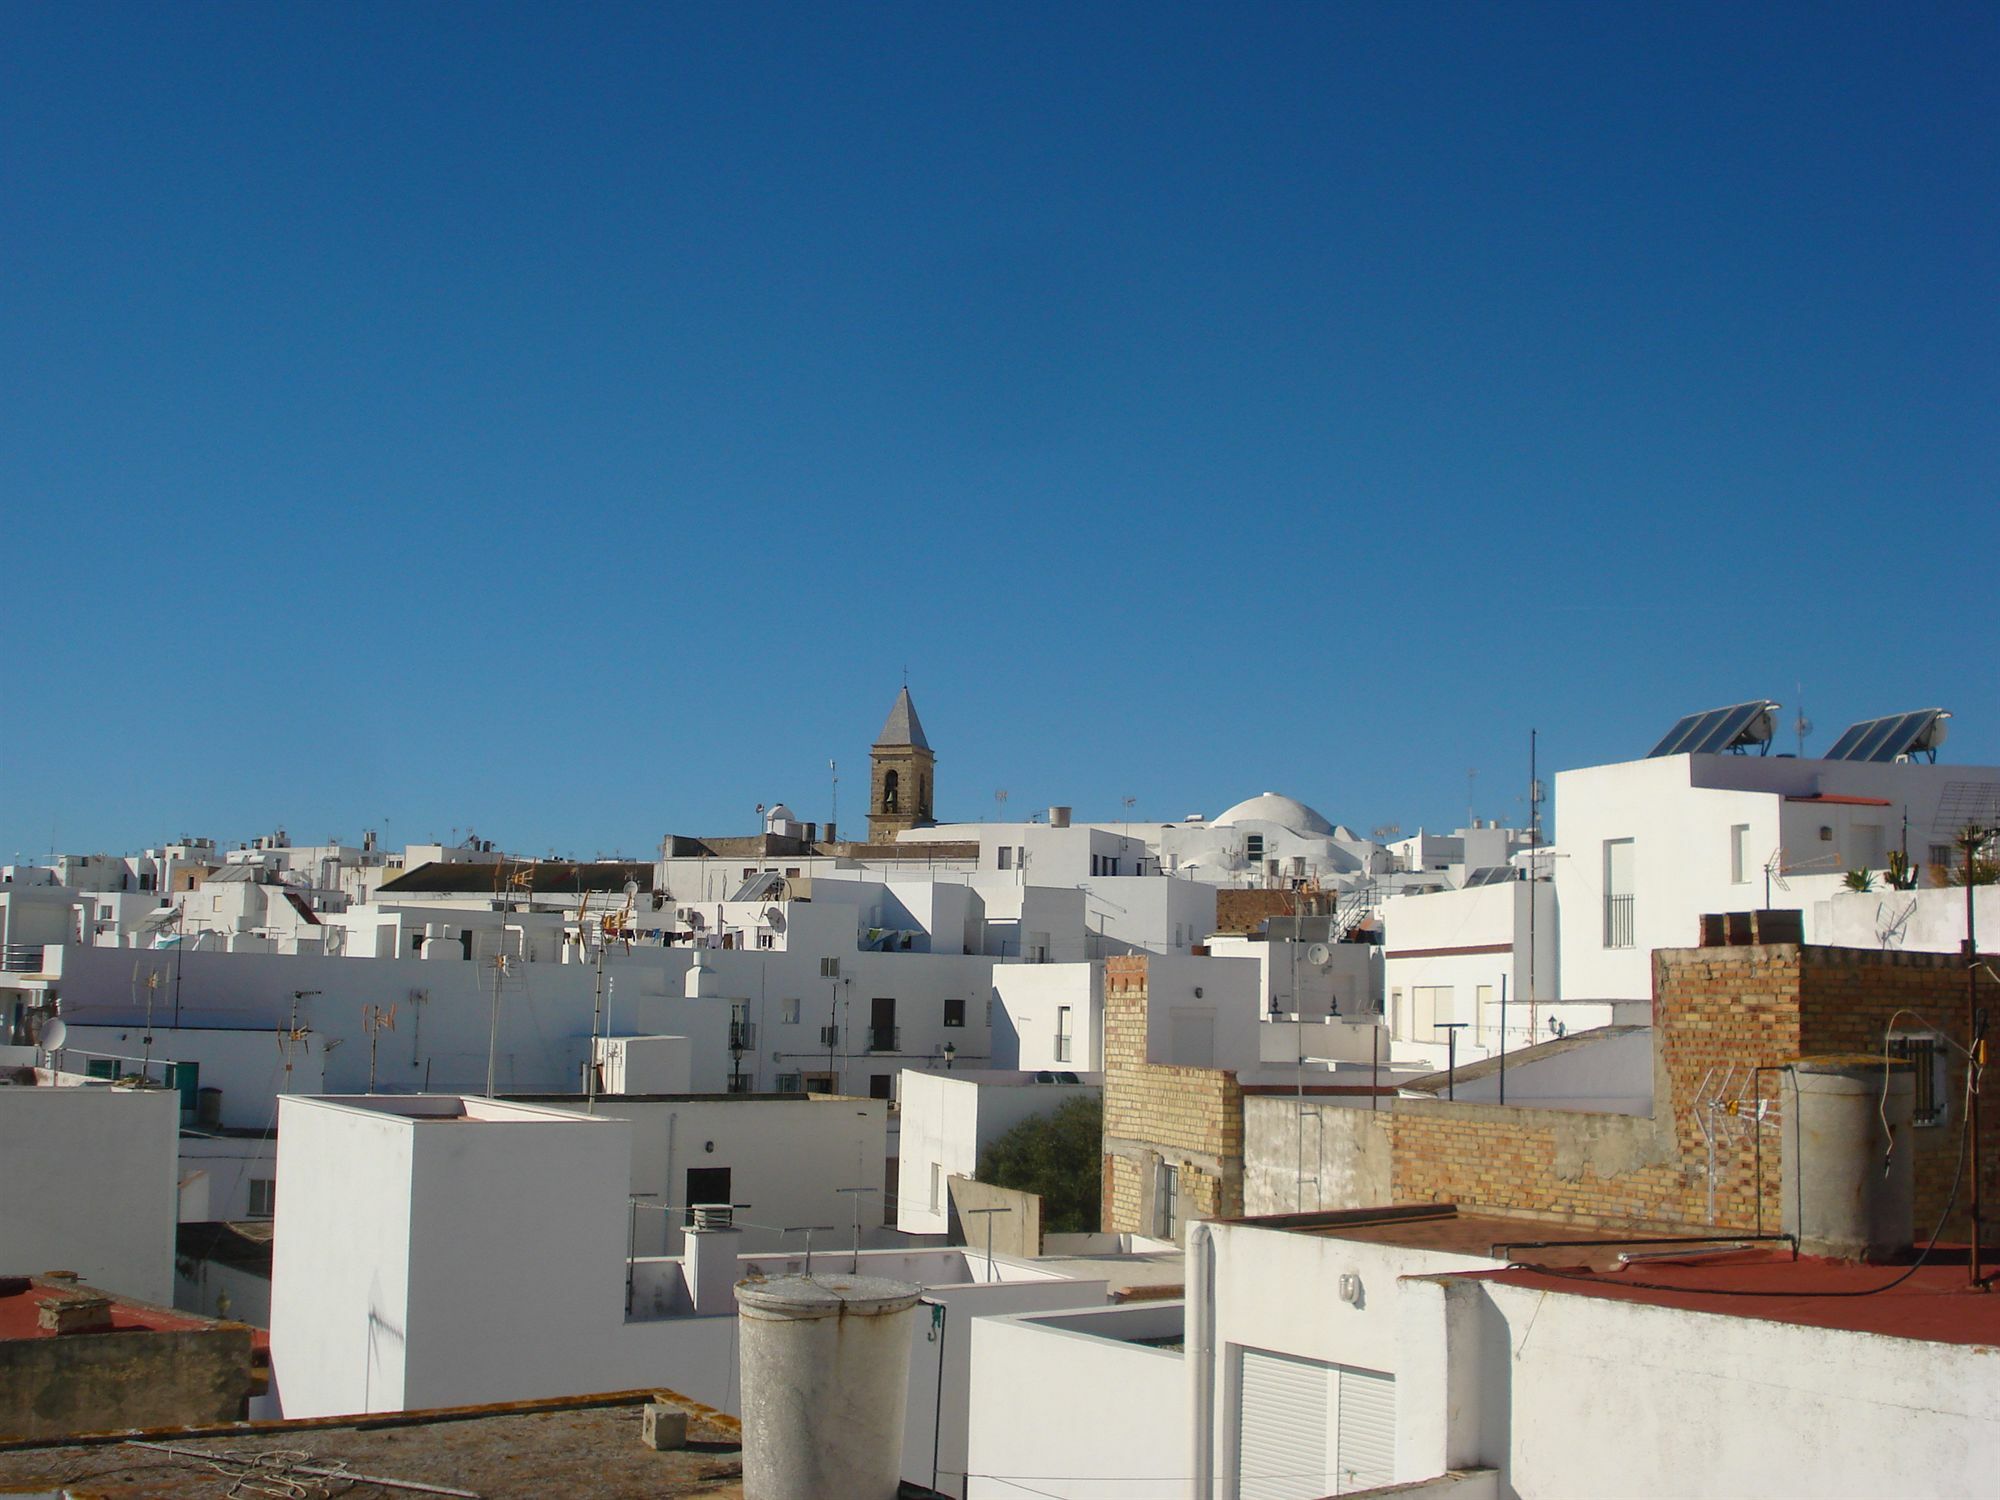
column 779, row 813
column 1272, row 807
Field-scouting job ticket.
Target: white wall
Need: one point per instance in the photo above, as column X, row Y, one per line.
column 1028, row 998
column 1466, row 941
column 91, row 1179
column 249, row 1066
column 1576, row 1395
column 788, row 1156
column 1061, row 1411
column 447, row 1262
column 947, row 1121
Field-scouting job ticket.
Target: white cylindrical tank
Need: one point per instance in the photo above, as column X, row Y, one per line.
column 826, row 1370
column 1848, row 1186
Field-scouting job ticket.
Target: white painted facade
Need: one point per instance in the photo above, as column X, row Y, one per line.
column 1578, row 1395
column 1645, row 848
column 91, row 1181
column 440, row 1251
column 1464, row 956
column 1083, row 1404
column 786, row 1158
column 949, row 1119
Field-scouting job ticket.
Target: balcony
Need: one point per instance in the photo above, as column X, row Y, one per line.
column 885, row 1039
column 1618, row 928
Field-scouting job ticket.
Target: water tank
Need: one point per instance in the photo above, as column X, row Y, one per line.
column 1058, row 817
column 826, row 1371
column 1847, row 1183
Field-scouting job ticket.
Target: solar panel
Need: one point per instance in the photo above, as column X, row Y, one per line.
column 1490, row 875
column 1718, row 729
column 1884, row 739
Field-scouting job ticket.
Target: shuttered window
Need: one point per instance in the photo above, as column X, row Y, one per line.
column 1306, row 1429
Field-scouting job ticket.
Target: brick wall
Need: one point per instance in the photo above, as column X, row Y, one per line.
column 1187, row 1118
column 1719, row 1013
column 1246, row 911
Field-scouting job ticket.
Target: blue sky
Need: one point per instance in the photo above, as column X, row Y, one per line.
column 572, row 420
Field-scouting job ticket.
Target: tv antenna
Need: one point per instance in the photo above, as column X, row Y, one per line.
column 1775, row 869
column 1000, row 805
column 1802, row 725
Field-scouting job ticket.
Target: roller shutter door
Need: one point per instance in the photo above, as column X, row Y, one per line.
column 1306, row 1429
column 1282, row 1421
column 1367, row 1429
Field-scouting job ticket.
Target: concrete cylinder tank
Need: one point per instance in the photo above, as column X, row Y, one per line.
column 826, row 1371
column 1848, row 1183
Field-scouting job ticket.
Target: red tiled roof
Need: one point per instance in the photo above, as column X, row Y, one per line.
column 1841, row 801
column 20, row 1311
column 1935, row 1304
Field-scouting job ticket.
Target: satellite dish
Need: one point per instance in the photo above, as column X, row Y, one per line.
column 1319, row 955
column 774, row 918
column 54, row 1035
column 631, row 889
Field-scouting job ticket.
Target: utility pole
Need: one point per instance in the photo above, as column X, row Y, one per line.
column 1971, row 839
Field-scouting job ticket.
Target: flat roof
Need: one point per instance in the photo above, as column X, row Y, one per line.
column 512, row 1451
column 1492, row 1236
column 21, row 1300
column 1934, row 1303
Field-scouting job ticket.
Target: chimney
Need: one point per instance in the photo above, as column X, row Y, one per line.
column 74, row 1311
column 1848, row 1186
column 712, row 1245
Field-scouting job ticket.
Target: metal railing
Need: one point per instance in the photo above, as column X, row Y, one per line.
column 885, row 1039
column 1618, row 930
column 743, row 1034
column 21, row 958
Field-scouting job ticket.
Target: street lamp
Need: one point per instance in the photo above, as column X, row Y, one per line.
column 950, row 1051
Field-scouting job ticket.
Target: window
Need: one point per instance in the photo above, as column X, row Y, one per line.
column 263, row 1198
column 767, row 939
column 989, row 1015
column 1739, row 854
column 1253, row 846
column 739, row 1083
column 1944, row 856
column 791, row 1083
column 937, row 1185
column 879, row 1085
column 1064, row 1042
column 788, row 1012
column 1619, row 925
column 954, row 1013
column 1006, row 854
column 104, row 912
column 1925, row 1050
column 891, row 791
column 1430, row 1004
column 1166, row 1201
column 791, row 872
column 215, row 903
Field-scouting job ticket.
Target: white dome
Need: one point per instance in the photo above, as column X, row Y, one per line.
column 779, row 813
column 1271, row 807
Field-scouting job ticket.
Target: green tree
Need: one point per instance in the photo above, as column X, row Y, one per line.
column 1057, row 1155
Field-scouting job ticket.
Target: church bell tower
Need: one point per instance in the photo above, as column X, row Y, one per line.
column 899, row 781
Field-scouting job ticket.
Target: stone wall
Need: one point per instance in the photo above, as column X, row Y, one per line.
column 1155, row 1115
column 52, row 1386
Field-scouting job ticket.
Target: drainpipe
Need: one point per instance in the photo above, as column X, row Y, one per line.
column 1201, row 1356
